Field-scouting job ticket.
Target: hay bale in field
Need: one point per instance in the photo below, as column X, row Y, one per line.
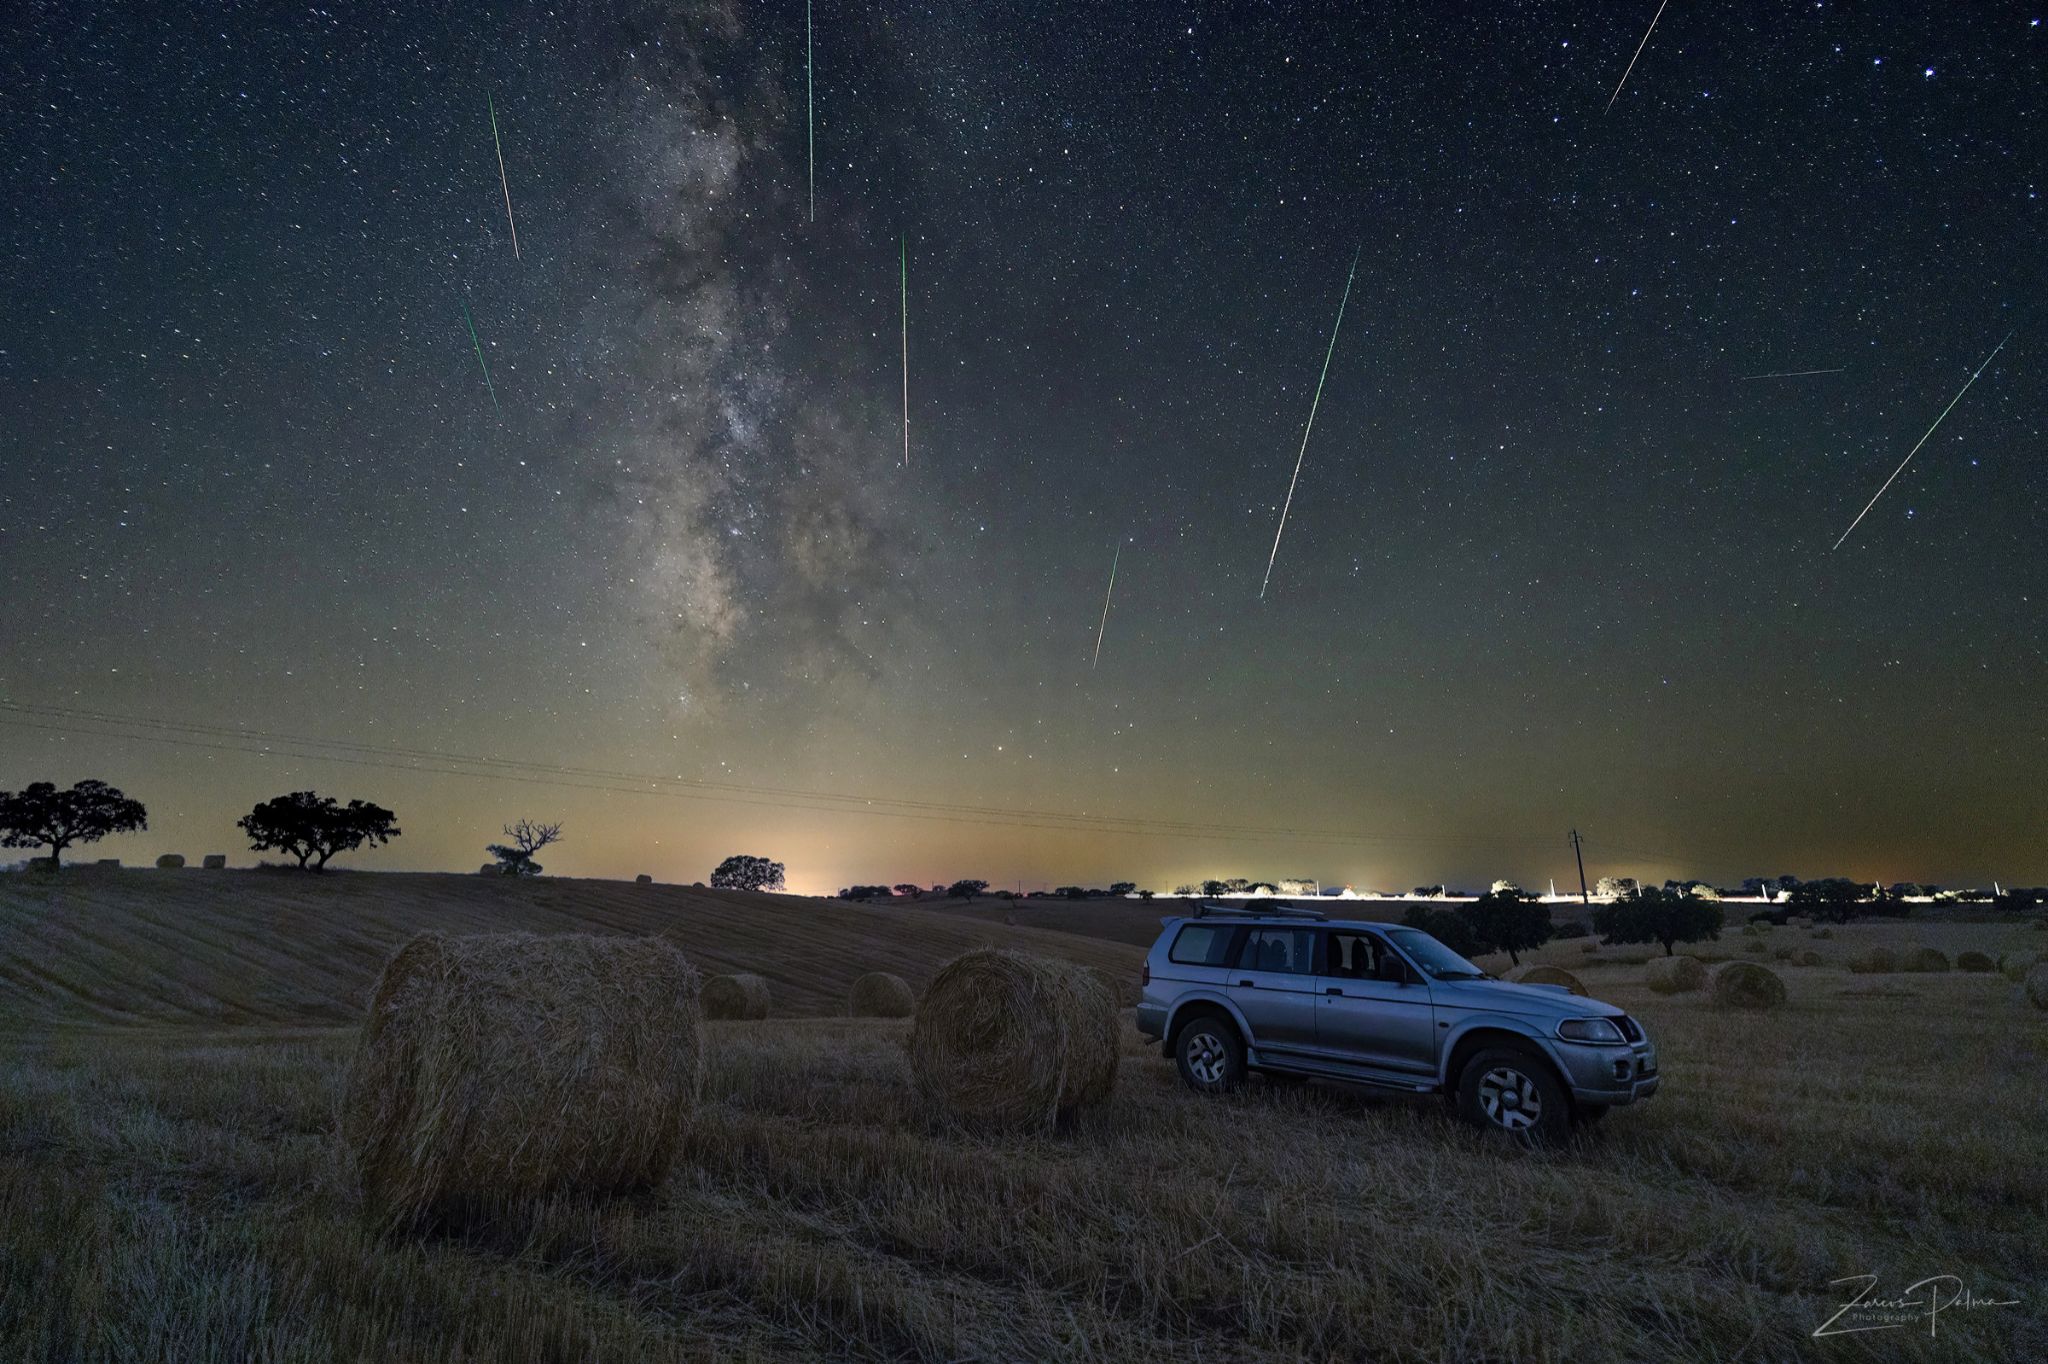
column 214, row 861
column 1675, row 975
column 171, row 862
column 1975, row 962
column 1807, row 958
column 1923, row 960
column 881, row 995
column 2015, row 967
column 1783, row 951
column 507, row 1065
column 490, row 869
column 1014, row 1040
column 1745, row 985
column 1752, row 929
column 1874, row 961
column 643, row 879
column 1547, row 975
column 740, row 995
column 110, row 863
column 1124, row 989
column 2036, row 984
column 1587, row 949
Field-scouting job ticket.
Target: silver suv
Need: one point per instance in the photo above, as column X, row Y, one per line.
column 1291, row 993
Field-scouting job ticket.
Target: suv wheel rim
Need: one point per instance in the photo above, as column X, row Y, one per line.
column 1510, row 1099
column 1207, row 1060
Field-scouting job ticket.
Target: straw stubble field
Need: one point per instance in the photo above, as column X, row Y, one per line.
column 171, row 1187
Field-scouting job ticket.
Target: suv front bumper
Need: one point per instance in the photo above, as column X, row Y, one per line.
column 1608, row 1075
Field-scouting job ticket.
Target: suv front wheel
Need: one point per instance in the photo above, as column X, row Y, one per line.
column 1209, row 1053
column 1509, row 1090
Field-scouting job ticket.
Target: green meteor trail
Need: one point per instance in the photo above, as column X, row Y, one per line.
column 1303, row 452
column 503, row 183
column 488, row 386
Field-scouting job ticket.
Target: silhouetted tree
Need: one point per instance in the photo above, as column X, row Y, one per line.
column 313, row 827
column 528, row 837
column 1071, row 892
column 742, row 872
column 39, row 815
column 1214, row 888
column 909, row 891
column 1651, row 914
column 1833, row 898
column 966, row 890
column 1502, row 921
column 1446, row 926
column 864, row 893
column 1123, row 887
column 1144, row 895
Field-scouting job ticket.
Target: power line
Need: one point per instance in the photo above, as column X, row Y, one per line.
column 272, row 744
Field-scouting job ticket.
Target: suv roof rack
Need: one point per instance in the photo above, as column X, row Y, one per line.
column 1204, row 909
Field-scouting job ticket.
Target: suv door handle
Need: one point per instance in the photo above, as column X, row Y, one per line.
column 1244, row 982
column 1333, row 990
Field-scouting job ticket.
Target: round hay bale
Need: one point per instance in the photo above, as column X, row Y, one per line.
column 643, row 879
column 214, row 862
column 1923, row 960
column 740, row 995
column 1011, row 1039
column 1745, row 985
column 1807, row 958
column 2016, row 966
column 170, row 862
column 502, row 1066
column 1124, row 989
column 2037, row 985
column 1784, row 951
column 1975, row 962
column 488, row 869
column 1675, row 975
column 881, row 995
column 1548, row 975
column 1874, row 961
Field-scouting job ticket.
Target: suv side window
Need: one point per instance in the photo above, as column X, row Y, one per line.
column 1355, row 956
column 1203, row 945
column 1284, row 951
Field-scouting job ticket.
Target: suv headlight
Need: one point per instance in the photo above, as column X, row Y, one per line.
column 1589, row 1030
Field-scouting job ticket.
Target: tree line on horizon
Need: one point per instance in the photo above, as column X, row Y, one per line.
column 314, row 829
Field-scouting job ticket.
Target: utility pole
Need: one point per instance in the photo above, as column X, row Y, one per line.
column 1580, row 854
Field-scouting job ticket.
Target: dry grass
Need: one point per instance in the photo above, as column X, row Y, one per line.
column 170, row 1190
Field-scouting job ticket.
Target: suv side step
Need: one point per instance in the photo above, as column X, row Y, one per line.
column 1385, row 1079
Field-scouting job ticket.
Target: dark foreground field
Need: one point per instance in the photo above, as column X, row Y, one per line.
column 170, row 1186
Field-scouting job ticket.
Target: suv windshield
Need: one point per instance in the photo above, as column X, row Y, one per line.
column 1433, row 957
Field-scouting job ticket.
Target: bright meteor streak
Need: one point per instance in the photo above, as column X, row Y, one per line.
column 1922, row 441
column 503, row 183
column 488, row 386
column 1632, row 60
column 1318, row 402
column 904, row 299
column 1103, row 628
column 1792, row 374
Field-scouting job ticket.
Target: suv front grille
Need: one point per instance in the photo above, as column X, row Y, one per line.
column 1630, row 1029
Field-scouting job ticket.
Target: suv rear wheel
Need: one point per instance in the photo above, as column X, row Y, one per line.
column 1209, row 1053
column 1513, row 1092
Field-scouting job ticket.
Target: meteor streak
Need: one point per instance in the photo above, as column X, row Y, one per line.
column 1318, row 402
column 1632, row 60
column 1922, row 441
column 1103, row 628
column 904, row 297
column 1793, row 373
column 503, row 183
column 471, row 324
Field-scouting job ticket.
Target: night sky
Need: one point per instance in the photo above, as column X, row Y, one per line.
column 1553, row 560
